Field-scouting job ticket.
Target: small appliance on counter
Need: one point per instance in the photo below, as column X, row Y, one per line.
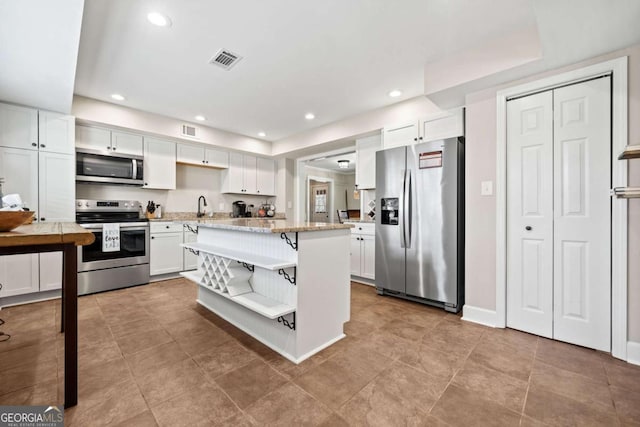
column 239, row 209
column 267, row 211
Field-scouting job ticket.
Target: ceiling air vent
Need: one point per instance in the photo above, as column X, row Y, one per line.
column 225, row 59
column 189, row 131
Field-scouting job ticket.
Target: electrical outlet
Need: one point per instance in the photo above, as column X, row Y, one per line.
column 486, row 188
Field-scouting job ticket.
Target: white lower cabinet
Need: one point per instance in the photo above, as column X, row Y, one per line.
column 18, row 275
column 165, row 250
column 50, row 271
column 363, row 250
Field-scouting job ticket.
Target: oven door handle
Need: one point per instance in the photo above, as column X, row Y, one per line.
column 123, row 225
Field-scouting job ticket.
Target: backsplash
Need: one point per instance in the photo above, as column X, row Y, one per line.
column 191, row 183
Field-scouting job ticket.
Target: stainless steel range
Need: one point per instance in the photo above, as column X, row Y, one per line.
column 103, row 266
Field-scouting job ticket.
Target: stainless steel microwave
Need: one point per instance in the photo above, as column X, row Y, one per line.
column 106, row 168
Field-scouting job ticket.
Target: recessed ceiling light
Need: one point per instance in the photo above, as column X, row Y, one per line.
column 200, row 118
column 262, row 134
column 395, row 93
column 159, row 19
column 309, row 116
column 118, row 97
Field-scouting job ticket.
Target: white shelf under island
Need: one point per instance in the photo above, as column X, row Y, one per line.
column 285, row 283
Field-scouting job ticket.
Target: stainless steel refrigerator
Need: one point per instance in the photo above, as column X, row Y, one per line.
column 420, row 223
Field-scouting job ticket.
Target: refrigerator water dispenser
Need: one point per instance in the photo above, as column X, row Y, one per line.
column 389, row 211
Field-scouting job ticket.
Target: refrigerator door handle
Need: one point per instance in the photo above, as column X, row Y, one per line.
column 401, row 214
column 407, row 210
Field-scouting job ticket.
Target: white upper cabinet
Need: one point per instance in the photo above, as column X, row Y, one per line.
column 198, row 155
column 400, row 135
column 126, row 143
column 190, row 154
column 233, row 178
column 57, row 189
column 115, row 142
column 159, row 164
column 266, row 176
column 56, row 132
column 216, row 158
column 249, row 175
column 447, row 124
column 366, row 149
column 93, row 138
column 18, row 127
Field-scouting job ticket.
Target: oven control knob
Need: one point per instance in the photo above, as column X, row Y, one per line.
column 86, row 204
column 126, row 205
column 79, row 204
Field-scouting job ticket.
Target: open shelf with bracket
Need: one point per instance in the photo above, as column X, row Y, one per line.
column 630, row 152
column 261, row 261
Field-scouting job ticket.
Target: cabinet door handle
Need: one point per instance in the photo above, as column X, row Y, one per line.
column 33, row 144
column 528, row 228
column 415, row 139
column 42, row 219
column 420, row 138
column 42, row 145
column 114, row 148
column 203, row 162
column 167, row 226
column 108, row 147
column 152, row 237
column 146, row 183
column 207, row 161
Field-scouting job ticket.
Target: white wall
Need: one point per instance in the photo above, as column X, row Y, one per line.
column 355, row 126
column 480, row 274
column 98, row 112
column 191, row 183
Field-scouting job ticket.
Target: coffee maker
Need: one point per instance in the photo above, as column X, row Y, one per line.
column 239, row 209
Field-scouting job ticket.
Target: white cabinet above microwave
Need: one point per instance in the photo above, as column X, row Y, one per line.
column 116, row 142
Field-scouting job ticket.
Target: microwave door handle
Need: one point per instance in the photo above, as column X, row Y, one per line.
column 134, row 168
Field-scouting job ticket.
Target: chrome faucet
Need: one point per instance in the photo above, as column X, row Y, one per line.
column 200, row 214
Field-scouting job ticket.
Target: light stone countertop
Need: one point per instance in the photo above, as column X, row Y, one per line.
column 259, row 225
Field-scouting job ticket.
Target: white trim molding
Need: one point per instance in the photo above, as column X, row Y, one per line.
column 479, row 315
column 633, row 352
column 618, row 70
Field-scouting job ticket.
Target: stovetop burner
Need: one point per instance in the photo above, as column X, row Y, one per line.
column 108, row 211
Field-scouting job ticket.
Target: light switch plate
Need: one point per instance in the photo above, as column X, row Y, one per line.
column 486, row 188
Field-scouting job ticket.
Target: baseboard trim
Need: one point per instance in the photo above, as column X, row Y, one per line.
column 633, row 352
column 479, row 315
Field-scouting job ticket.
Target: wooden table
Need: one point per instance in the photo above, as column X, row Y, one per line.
column 54, row 237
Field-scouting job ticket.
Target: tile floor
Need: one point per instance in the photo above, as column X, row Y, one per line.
column 151, row 356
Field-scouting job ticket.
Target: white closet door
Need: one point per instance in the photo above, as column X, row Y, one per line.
column 530, row 214
column 582, row 218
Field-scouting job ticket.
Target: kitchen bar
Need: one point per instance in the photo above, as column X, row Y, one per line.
column 263, row 276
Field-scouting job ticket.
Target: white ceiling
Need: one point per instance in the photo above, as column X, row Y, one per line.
column 331, row 163
column 38, row 52
column 334, row 58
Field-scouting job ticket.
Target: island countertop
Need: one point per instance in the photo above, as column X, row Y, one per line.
column 260, row 225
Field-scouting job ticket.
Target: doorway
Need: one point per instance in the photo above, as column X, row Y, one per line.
column 319, row 201
column 559, row 213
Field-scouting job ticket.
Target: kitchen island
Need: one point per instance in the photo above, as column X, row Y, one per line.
column 299, row 293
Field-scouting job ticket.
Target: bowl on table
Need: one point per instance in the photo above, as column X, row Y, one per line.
column 12, row 219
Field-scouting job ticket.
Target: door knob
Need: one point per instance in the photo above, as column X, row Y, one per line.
column 528, row 228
